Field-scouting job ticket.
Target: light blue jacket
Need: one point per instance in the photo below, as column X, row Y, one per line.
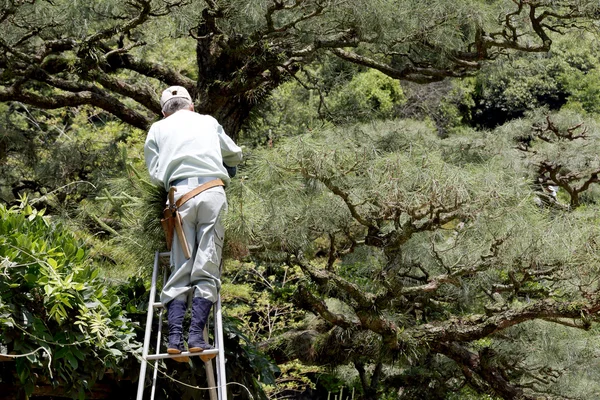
column 188, row 144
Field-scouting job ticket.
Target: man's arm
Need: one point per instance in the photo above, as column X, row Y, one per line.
column 231, row 153
column 151, row 157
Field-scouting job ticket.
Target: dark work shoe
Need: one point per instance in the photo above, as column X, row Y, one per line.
column 175, row 313
column 200, row 312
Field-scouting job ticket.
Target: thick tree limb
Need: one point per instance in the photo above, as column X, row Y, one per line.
column 368, row 317
column 152, row 70
column 61, row 100
column 143, row 6
column 492, row 375
column 142, row 95
column 479, row 326
column 411, row 73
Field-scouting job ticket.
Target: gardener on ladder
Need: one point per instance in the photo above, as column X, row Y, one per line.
column 186, row 150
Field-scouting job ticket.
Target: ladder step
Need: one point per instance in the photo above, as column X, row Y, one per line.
column 158, row 304
column 182, row 354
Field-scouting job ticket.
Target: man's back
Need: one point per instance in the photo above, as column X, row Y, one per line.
column 188, row 144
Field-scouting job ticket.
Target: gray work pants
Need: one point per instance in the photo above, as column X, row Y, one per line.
column 204, row 233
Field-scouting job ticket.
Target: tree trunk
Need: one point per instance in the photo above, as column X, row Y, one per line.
column 231, row 112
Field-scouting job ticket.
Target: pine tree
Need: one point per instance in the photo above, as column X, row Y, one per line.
column 117, row 55
column 442, row 257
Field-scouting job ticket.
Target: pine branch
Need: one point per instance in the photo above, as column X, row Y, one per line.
column 479, row 326
column 491, row 374
column 368, row 316
column 409, row 73
column 60, row 100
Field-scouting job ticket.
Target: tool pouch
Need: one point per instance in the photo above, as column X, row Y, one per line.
column 168, row 225
column 168, row 220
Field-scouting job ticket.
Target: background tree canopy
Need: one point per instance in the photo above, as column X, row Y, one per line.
column 416, row 217
column 115, row 55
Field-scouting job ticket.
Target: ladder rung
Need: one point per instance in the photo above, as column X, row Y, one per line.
column 158, row 305
column 182, row 354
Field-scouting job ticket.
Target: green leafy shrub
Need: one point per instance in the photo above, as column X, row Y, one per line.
column 328, row 97
column 584, row 90
column 51, row 297
column 509, row 88
column 370, row 94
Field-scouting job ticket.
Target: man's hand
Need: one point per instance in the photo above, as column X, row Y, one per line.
column 231, row 171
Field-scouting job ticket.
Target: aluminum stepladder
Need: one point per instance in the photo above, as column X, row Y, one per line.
column 218, row 391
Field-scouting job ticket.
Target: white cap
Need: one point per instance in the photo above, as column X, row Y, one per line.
column 174, row 92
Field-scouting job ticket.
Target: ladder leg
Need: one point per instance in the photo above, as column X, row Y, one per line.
column 219, row 391
column 221, row 379
column 158, row 343
column 155, row 372
column 210, row 373
column 144, row 364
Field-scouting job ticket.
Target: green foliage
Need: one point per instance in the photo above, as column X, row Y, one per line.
column 325, row 95
column 127, row 212
column 567, row 356
column 318, row 191
column 559, row 151
column 56, row 157
column 584, row 90
column 258, row 297
column 337, row 196
column 291, row 110
column 366, row 96
column 467, row 393
column 295, row 377
column 521, row 84
column 387, row 163
column 509, row 88
column 248, row 366
column 51, row 297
